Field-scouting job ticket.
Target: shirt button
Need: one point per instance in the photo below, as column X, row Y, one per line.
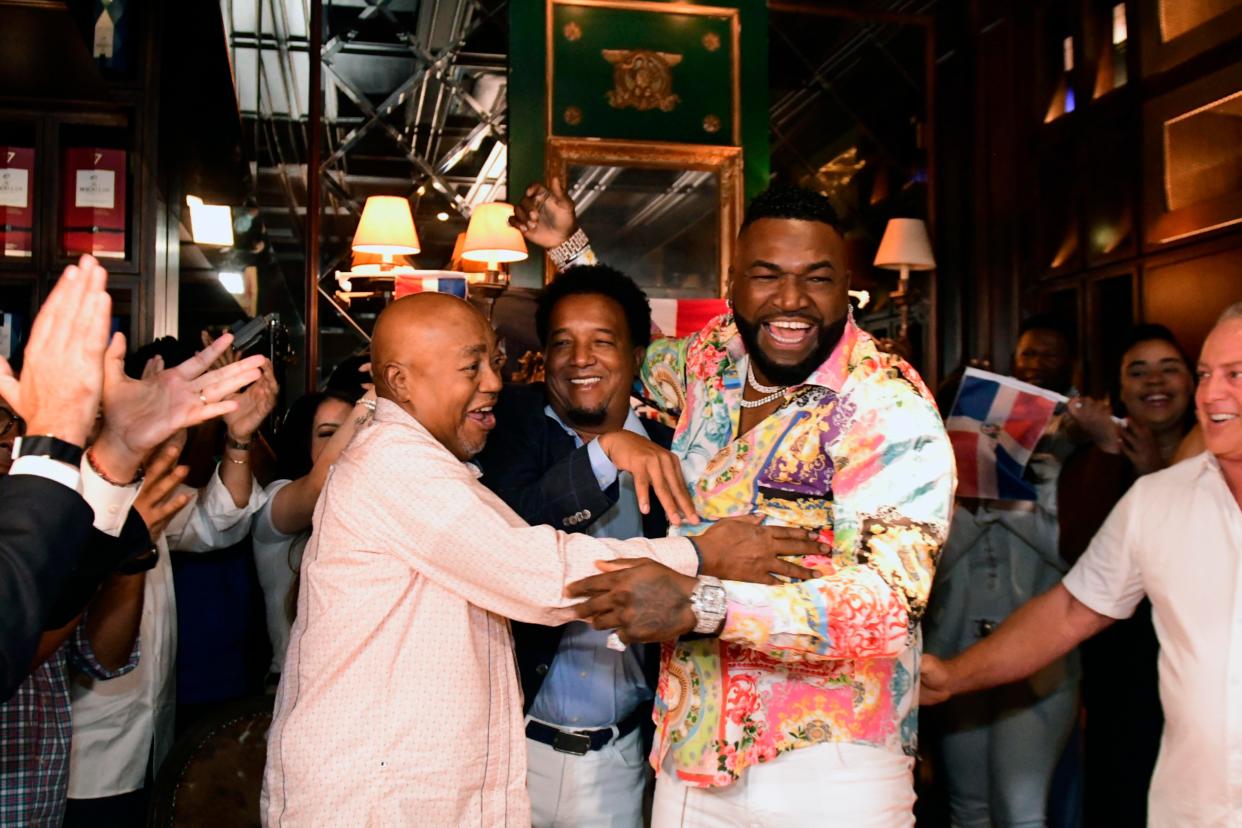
column 112, row 509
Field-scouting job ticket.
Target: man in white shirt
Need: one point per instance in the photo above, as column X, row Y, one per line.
column 1175, row 537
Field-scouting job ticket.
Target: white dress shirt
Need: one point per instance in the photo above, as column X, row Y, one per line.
column 116, row 722
column 1176, row 537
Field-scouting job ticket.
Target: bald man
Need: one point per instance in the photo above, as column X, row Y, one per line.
column 399, row 702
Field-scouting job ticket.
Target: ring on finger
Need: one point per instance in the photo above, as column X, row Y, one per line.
column 202, row 397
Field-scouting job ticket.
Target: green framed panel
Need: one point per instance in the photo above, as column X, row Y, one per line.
column 642, row 71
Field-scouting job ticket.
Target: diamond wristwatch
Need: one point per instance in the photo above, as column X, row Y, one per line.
column 709, row 604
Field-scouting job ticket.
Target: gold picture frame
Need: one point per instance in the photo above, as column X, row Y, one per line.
column 724, row 162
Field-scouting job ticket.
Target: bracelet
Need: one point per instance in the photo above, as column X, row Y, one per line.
column 568, row 250
column 95, row 467
column 240, row 462
column 367, row 403
column 229, row 442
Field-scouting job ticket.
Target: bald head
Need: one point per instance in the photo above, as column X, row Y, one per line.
column 436, row 356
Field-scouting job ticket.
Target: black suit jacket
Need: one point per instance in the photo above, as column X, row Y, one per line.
column 534, row 466
column 51, row 561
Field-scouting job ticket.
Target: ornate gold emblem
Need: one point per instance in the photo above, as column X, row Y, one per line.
column 572, row 31
column 711, row 41
column 711, row 124
column 643, row 79
column 573, row 115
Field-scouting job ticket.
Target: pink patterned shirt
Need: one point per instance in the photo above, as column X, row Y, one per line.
column 399, row 702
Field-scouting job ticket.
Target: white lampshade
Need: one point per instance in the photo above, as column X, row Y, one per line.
column 905, row 245
column 386, row 227
column 490, row 238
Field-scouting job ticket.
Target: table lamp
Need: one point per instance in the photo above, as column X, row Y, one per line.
column 905, row 247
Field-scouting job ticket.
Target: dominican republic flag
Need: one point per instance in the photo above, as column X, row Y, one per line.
column 405, row 285
column 682, row 317
column 994, row 426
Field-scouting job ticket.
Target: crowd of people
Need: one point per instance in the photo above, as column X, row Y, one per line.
column 494, row 604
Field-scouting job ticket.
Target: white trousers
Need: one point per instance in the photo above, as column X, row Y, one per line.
column 601, row 789
column 822, row 785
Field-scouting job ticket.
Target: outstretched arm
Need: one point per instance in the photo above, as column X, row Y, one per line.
column 1039, row 632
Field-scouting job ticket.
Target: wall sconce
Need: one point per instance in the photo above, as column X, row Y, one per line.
column 386, row 228
column 905, row 247
column 491, row 240
column 210, row 224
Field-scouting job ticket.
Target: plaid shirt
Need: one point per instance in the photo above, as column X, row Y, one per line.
column 35, row 729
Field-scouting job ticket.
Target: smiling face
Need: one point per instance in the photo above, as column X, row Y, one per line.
column 590, row 362
column 1155, row 384
column 790, row 294
column 440, row 361
column 1219, row 396
column 1043, row 358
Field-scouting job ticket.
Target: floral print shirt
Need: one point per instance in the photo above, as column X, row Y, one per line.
column 858, row 453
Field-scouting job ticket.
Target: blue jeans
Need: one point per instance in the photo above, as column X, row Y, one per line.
column 1000, row 749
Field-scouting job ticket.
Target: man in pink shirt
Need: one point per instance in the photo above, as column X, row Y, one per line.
column 399, row 702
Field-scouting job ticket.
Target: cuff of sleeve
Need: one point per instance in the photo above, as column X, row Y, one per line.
column 219, row 504
column 110, row 503
column 604, row 469
column 46, row 467
column 86, row 660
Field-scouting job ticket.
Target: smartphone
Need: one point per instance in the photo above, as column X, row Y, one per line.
column 246, row 335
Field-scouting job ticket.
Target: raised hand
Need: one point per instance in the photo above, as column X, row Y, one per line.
column 253, row 404
column 652, row 467
column 62, row 379
column 934, row 679
column 641, row 599
column 1138, row 443
column 228, row 357
column 1095, row 418
column 739, row 549
column 545, row 215
column 158, row 500
column 141, row 414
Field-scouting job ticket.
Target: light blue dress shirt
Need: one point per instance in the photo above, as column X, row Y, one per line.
column 590, row 685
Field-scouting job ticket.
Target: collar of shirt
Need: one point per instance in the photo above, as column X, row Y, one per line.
column 388, row 412
column 632, row 424
column 831, row 373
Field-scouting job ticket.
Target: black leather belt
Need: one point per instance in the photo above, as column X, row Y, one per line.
column 580, row 742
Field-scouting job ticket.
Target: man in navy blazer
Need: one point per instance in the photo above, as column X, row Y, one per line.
column 570, row 453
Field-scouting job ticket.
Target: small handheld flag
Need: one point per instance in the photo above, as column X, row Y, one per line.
column 994, row 425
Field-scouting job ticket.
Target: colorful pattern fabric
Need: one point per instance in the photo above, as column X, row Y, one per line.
column 35, row 732
column 859, row 454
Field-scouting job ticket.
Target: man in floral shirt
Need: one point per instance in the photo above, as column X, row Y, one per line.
column 799, row 705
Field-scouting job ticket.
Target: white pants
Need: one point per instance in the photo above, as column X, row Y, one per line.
column 601, row 789
column 828, row 784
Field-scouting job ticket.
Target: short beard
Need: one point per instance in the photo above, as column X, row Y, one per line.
column 586, row 418
column 828, row 337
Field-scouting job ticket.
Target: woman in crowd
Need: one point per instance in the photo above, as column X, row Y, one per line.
column 316, row 430
column 1153, row 390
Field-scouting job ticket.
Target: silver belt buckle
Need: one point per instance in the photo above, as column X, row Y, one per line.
column 579, row 744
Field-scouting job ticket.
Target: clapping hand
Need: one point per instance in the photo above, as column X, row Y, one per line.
column 141, row 414
column 158, row 500
column 58, row 393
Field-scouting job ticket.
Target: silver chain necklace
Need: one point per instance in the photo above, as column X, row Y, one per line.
column 772, row 392
column 754, row 383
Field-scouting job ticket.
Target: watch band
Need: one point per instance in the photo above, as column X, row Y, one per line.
column 710, row 604
column 46, row 445
column 568, row 250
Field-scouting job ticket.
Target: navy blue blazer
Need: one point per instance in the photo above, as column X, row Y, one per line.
column 534, row 466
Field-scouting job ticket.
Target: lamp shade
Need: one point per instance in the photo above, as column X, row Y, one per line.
column 210, row 223
column 905, row 244
column 489, row 238
column 386, row 227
